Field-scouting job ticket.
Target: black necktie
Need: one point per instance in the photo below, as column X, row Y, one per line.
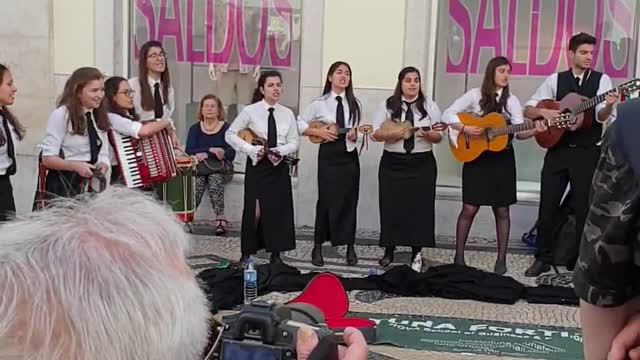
column 409, row 143
column 578, row 82
column 9, row 141
column 157, row 102
column 340, row 113
column 272, row 131
column 94, row 141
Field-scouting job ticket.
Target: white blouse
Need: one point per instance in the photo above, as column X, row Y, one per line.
column 5, row 160
column 124, row 126
column 470, row 102
column 421, row 145
column 59, row 136
column 145, row 115
column 255, row 117
column 324, row 109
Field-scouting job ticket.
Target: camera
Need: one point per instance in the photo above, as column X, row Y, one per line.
column 264, row 331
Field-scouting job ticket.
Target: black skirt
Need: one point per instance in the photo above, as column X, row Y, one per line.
column 407, row 191
column 270, row 186
column 490, row 179
column 338, row 191
column 7, row 203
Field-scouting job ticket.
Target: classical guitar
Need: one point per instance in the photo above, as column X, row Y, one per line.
column 393, row 127
column 576, row 105
column 495, row 135
column 364, row 129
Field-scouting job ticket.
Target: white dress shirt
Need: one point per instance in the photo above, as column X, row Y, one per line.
column 324, row 109
column 59, row 136
column 124, row 126
column 421, row 144
column 549, row 87
column 256, row 118
column 5, row 160
column 144, row 115
column 470, row 102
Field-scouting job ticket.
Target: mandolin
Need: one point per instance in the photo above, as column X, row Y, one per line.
column 495, row 135
column 363, row 129
column 575, row 105
column 248, row 136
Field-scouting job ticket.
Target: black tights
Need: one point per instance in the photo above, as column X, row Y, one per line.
column 465, row 219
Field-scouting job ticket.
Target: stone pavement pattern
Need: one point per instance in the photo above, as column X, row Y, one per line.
column 208, row 250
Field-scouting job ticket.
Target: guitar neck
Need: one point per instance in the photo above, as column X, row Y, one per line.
column 513, row 129
column 585, row 105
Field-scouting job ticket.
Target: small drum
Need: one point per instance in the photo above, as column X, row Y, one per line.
column 179, row 191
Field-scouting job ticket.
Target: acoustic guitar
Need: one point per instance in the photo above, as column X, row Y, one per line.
column 363, row 129
column 576, row 105
column 393, row 127
column 252, row 138
column 495, row 135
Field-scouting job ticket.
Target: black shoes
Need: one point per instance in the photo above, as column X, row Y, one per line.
column 538, row 267
column 316, row 256
column 352, row 258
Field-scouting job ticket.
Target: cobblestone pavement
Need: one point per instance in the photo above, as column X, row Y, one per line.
column 208, row 250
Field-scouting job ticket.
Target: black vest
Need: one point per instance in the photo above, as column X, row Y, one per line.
column 567, row 84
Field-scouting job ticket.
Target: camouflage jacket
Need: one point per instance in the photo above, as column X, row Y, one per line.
column 608, row 271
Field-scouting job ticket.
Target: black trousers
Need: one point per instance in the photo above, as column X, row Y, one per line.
column 7, row 203
column 564, row 165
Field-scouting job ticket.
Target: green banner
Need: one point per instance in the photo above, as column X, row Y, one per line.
column 477, row 336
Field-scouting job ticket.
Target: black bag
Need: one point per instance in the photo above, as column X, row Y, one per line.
column 213, row 165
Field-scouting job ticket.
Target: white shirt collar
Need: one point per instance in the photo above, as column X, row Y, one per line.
column 499, row 92
column 267, row 105
column 334, row 95
column 153, row 81
column 403, row 98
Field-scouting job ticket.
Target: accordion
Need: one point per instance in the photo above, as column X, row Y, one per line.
column 144, row 161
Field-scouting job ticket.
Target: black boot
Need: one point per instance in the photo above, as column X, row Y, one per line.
column 275, row 258
column 500, row 267
column 387, row 259
column 352, row 258
column 538, row 267
column 316, row 255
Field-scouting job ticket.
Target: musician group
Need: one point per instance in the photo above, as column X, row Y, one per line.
column 81, row 136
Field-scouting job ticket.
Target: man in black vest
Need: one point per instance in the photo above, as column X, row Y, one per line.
column 573, row 160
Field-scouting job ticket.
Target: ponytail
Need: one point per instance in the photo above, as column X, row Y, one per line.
column 257, row 96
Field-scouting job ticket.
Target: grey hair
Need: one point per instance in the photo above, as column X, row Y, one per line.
column 100, row 278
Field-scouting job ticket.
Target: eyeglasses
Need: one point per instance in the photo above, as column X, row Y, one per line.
column 157, row 55
column 127, row 92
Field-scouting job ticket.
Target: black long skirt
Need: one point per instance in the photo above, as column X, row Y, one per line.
column 338, row 191
column 270, row 186
column 58, row 183
column 490, row 179
column 407, row 192
column 7, row 202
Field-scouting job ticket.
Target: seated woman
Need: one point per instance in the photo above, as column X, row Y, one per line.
column 206, row 141
column 123, row 119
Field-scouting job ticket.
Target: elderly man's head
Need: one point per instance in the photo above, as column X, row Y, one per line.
column 99, row 279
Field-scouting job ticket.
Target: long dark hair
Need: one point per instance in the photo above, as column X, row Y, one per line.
column 488, row 101
column 354, row 104
column 394, row 102
column 71, row 99
column 257, row 94
column 19, row 129
column 143, row 75
column 111, row 87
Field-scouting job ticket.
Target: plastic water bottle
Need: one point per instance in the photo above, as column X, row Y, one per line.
column 416, row 265
column 250, row 282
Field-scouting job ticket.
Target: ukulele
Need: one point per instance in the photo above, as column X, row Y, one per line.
column 252, row 138
column 575, row 105
column 363, row 129
column 495, row 135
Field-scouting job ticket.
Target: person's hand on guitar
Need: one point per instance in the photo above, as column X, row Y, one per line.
column 611, row 98
column 432, row 136
column 326, row 133
column 352, row 135
column 472, row 130
column 540, row 127
column 218, row 152
column 201, row 156
column 439, row 126
column 548, row 114
column 260, row 153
